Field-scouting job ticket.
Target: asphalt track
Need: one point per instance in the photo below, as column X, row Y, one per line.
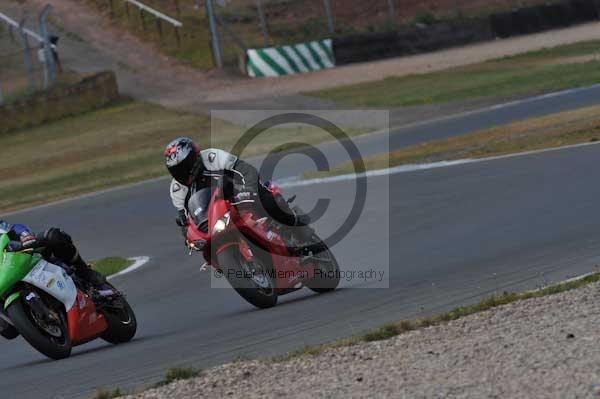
column 447, row 236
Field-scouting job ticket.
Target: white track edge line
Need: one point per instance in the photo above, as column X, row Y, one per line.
column 138, row 261
column 396, row 128
column 424, row 166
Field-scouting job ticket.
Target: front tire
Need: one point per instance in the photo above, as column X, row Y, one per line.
column 52, row 341
column 258, row 291
column 122, row 324
column 328, row 277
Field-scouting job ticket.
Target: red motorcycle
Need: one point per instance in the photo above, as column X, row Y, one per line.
column 250, row 251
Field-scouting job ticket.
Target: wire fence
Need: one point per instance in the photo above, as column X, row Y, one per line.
column 16, row 77
column 29, row 61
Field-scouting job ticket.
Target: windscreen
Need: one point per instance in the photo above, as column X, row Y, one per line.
column 198, row 205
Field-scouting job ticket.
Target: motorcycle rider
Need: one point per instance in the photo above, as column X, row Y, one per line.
column 193, row 169
column 58, row 245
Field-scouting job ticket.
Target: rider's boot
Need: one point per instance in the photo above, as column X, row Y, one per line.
column 86, row 273
column 303, row 234
column 8, row 331
column 302, row 230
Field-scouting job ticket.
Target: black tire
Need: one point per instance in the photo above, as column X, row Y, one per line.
column 122, row 324
column 10, row 332
column 231, row 261
column 53, row 347
column 329, row 278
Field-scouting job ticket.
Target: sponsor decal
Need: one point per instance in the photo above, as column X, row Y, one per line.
column 37, row 273
column 212, row 156
column 60, row 285
column 50, row 283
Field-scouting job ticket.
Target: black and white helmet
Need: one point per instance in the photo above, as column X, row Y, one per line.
column 181, row 155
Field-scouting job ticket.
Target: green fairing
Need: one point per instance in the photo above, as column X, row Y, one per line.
column 14, row 266
column 13, row 297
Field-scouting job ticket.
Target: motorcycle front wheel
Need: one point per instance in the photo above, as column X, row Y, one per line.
column 50, row 338
column 327, row 276
column 251, row 280
column 122, row 324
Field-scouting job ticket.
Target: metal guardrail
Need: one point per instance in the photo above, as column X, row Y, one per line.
column 156, row 13
column 15, row 24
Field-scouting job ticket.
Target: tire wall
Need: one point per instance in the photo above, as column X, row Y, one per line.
column 409, row 40
column 91, row 93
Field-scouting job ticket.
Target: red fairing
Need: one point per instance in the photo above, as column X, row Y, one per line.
column 193, row 234
column 84, row 323
column 287, row 269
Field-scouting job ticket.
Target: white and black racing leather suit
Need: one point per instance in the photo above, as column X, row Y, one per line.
column 218, row 163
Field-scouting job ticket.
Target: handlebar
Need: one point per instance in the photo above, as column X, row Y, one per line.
column 16, row 246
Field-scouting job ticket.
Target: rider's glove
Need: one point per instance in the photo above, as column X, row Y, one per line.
column 182, row 221
column 26, row 237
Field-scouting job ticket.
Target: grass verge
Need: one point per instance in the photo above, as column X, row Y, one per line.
column 178, row 373
column 116, row 145
column 391, row 330
column 546, row 70
column 108, row 394
column 110, row 266
column 557, row 130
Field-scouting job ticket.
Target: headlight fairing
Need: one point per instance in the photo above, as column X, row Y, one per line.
column 222, row 223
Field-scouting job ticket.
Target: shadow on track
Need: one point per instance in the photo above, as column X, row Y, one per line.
column 284, row 302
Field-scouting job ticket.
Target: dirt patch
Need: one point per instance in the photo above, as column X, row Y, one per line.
column 539, row 348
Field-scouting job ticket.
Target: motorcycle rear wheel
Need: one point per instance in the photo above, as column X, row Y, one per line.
column 261, row 295
column 38, row 336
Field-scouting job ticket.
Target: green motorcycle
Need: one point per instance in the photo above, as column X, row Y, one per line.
column 54, row 311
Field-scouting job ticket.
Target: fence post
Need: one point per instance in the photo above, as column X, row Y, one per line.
column 112, row 8
column 27, row 56
column 159, row 28
column 263, row 22
column 48, row 56
column 214, row 34
column 143, row 20
column 177, row 37
column 329, row 14
column 392, row 9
